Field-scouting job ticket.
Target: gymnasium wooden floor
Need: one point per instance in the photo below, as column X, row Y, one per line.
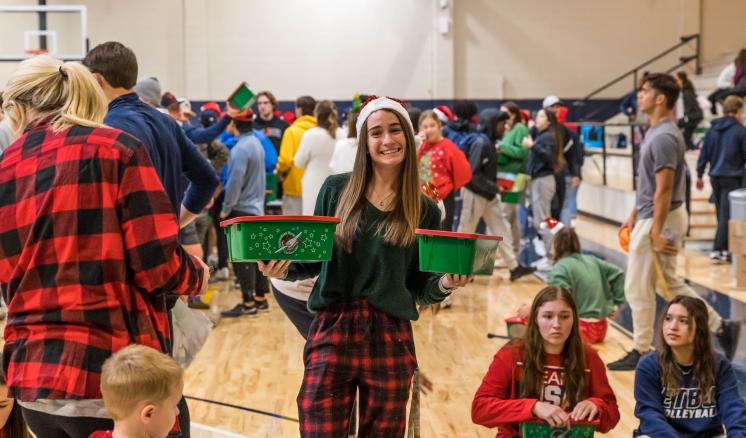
column 256, row 362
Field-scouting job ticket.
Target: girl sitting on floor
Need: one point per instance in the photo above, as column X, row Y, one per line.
column 681, row 394
column 548, row 375
column 596, row 286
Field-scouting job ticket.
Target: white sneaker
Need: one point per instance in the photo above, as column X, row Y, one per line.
column 543, row 265
column 222, row 274
column 539, row 247
column 714, row 255
column 212, row 260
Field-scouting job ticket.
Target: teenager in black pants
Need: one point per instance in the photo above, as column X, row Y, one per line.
column 724, row 150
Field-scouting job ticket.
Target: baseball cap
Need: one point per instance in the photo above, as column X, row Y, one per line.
column 186, row 106
column 549, row 101
column 244, row 116
column 168, row 100
column 213, row 106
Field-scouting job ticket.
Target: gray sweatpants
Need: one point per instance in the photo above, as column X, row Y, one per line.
column 475, row 207
column 542, row 191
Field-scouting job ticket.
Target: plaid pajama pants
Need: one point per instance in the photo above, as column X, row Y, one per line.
column 355, row 347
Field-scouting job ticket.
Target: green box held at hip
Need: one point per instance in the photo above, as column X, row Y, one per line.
column 298, row 238
column 242, row 97
column 543, row 430
column 457, row 253
column 512, row 187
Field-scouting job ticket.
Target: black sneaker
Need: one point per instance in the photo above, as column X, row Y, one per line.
column 197, row 303
column 520, row 271
column 728, row 337
column 627, row 363
column 262, row 305
column 239, row 310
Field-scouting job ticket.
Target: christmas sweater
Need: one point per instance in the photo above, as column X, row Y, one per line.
column 443, row 167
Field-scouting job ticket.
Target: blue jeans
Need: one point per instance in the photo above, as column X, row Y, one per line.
column 570, row 206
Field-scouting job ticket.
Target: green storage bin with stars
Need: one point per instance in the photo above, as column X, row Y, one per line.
column 297, row 238
column 531, row 429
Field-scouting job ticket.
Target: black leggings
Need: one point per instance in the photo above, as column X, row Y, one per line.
column 250, row 278
column 47, row 425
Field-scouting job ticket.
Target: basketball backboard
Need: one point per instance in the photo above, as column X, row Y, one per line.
column 60, row 30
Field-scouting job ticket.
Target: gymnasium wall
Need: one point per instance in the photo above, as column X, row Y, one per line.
column 491, row 49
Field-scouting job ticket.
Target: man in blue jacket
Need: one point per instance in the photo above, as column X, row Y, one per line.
column 115, row 68
column 172, row 154
column 724, row 150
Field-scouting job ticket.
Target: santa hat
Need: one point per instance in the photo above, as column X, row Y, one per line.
column 444, row 114
column 375, row 103
column 552, row 224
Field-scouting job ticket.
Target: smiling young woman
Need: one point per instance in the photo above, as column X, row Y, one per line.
column 367, row 294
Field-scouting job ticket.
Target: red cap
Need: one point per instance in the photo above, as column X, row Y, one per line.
column 212, row 106
column 244, row 116
column 445, row 111
column 552, row 224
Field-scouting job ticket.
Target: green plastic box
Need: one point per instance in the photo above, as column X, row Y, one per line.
column 516, row 327
column 242, row 97
column 272, row 186
column 457, row 253
column 513, row 187
column 298, row 238
column 543, row 430
column 511, row 197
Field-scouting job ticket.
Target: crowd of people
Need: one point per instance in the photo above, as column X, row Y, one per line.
column 111, row 197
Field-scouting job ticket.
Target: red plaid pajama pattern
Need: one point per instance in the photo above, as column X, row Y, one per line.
column 354, row 346
column 88, row 250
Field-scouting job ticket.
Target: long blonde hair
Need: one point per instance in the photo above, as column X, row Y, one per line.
column 67, row 91
column 400, row 224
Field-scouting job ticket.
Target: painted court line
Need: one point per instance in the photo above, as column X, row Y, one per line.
column 242, row 408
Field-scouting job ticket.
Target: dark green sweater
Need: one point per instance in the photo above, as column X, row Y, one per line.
column 387, row 276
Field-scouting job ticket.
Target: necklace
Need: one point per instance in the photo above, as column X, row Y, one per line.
column 381, row 201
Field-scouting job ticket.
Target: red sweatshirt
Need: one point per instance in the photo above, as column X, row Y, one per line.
column 497, row 404
column 444, row 165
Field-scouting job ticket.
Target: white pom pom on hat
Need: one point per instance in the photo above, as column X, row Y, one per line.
column 552, row 224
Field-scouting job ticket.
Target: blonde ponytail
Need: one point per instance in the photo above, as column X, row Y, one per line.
column 67, row 91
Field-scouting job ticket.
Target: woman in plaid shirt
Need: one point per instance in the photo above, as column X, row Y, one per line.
column 88, row 247
column 366, row 296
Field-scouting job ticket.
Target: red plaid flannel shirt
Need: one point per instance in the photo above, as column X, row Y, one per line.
column 88, row 250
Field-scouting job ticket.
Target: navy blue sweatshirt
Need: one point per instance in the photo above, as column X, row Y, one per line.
column 171, row 152
column 199, row 134
column 724, row 149
column 684, row 415
column 541, row 158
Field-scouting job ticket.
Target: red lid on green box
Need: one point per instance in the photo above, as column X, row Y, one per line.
column 280, row 218
column 439, row 233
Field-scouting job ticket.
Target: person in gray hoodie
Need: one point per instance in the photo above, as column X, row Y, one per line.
column 244, row 196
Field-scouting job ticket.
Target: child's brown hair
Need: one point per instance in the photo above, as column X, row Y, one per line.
column 565, row 242
column 135, row 374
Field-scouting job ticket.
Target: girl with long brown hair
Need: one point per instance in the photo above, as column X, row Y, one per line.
column 685, row 389
column 367, row 294
column 545, row 159
column 550, row 374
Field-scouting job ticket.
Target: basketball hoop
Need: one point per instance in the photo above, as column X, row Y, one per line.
column 34, row 52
